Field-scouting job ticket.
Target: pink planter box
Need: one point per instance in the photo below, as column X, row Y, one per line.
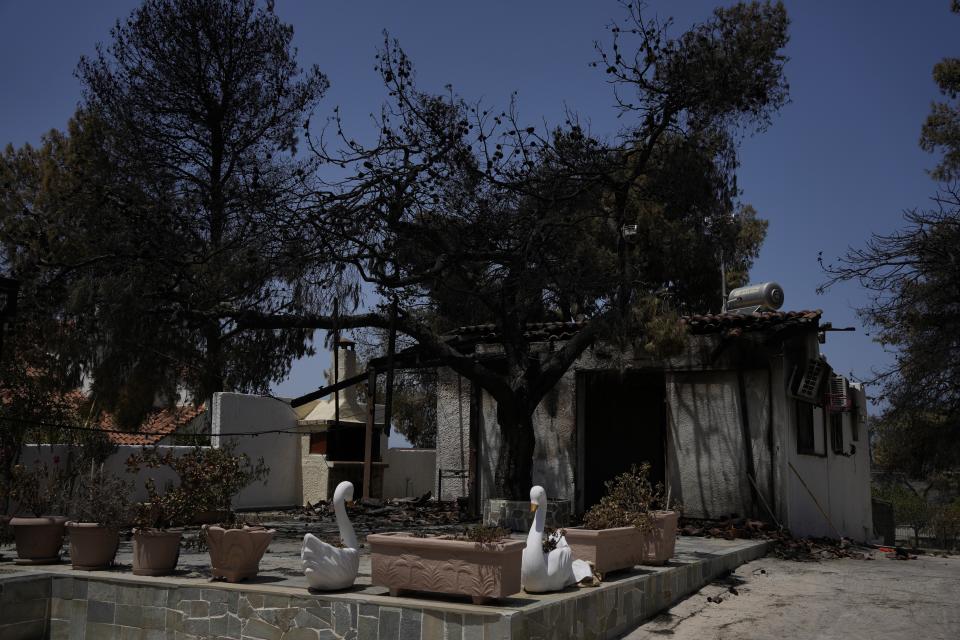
column 442, row 565
column 608, row 549
column 662, row 540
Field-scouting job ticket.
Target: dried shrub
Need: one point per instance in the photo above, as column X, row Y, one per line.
column 630, row 499
column 209, row 478
column 551, row 538
column 40, row 489
column 101, row 497
column 483, row 534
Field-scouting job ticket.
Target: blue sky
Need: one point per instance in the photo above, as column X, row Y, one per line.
column 839, row 162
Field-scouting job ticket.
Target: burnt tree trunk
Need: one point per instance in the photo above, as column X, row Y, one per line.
column 514, row 473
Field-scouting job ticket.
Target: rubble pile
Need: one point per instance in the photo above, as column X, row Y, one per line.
column 813, row 549
column 728, row 528
column 417, row 515
column 786, row 546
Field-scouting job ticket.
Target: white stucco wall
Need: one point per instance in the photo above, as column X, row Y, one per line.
column 237, row 412
column 840, row 484
column 411, row 472
column 115, row 464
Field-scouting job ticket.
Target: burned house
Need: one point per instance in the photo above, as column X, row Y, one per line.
column 749, row 419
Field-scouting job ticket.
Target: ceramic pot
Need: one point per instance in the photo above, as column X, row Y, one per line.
column 661, row 541
column 235, row 553
column 443, row 565
column 155, row 551
column 38, row 539
column 608, row 549
column 92, row 546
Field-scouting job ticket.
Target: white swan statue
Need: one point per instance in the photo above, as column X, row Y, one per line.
column 542, row 572
column 328, row 567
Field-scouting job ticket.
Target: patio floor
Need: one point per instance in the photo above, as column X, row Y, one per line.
column 57, row 602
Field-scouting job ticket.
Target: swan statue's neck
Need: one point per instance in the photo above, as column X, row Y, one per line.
column 535, row 538
column 347, row 535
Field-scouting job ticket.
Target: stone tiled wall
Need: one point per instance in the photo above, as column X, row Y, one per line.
column 127, row 610
column 24, row 608
column 77, row 608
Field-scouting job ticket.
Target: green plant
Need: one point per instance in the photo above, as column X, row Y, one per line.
column 39, row 489
column 102, row 497
column 629, row 500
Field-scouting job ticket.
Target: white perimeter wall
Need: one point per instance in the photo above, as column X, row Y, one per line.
column 412, row 472
column 238, row 412
column 115, row 464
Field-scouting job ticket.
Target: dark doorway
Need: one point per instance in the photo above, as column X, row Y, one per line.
column 624, row 423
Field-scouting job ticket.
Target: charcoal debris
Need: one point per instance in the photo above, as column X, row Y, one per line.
column 786, row 546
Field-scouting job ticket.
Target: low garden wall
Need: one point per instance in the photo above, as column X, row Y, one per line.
column 62, row 604
column 411, row 472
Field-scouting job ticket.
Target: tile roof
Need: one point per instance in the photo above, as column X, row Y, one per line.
column 158, row 425
column 730, row 324
column 733, row 324
column 533, row 332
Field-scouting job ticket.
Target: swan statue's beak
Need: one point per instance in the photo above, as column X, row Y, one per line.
column 349, row 503
column 533, row 507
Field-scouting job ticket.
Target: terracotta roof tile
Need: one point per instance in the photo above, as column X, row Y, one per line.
column 731, row 324
column 158, row 425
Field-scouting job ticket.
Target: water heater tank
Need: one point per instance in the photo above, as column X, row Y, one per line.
column 767, row 296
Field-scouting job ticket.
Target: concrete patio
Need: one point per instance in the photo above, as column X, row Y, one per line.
column 57, row 602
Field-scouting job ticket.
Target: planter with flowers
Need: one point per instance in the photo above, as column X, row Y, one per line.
column 629, row 526
column 100, row 506
column 37, row 491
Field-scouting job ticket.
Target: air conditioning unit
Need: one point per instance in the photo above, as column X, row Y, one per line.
column 839, row 397
column 807, row 382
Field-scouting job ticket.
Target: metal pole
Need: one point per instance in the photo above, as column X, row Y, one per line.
column 336, row 362
column 723, row 283
column 368, row 436
column 391, row 348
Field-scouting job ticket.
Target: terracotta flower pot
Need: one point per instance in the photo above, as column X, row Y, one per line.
column 662, row 540
column 38, row 539
column 155, row 551
column 443, row 565
column 235, row 553
column 608, row 549
column 92, row 546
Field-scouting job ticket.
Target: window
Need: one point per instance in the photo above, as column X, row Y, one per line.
column 806, row 443
column 854, row 427
column 836, row 432
column 318, row 442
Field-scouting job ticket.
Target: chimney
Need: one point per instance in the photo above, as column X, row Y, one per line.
column 346, row 358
